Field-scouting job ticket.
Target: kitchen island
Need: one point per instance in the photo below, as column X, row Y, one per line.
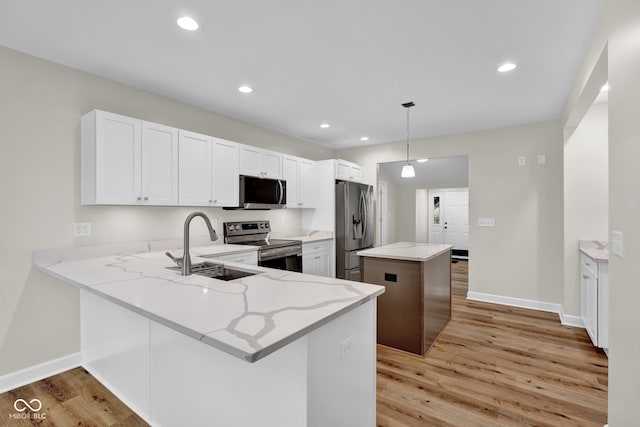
column 416, row 305
column 277, row 348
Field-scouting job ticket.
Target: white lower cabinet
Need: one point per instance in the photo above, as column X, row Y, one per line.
column 594, row 299
column 316, row 258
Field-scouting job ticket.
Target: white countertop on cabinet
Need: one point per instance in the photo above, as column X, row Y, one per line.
column 408, row 251
column 597, row 250
column 248, row 317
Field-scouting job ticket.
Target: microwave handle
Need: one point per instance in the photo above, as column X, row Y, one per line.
column 281, row 192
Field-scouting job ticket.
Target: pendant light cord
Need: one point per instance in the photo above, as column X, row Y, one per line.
column 408, row 134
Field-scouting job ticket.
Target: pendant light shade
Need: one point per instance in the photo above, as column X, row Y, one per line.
column 407, row 170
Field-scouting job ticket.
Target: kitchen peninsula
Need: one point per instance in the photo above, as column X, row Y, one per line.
column 416, row 305
column 276, row 348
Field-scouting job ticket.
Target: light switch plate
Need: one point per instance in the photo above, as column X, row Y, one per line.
column 522, row 161
column 542, row 159
column 486, row 222
column 617, row 243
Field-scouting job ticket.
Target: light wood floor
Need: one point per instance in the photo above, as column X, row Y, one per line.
column 72, row 398
column 492, row 366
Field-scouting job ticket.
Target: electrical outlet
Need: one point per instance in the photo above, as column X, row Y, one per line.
column 346, row 347
column 522, row 161
column 81, row 229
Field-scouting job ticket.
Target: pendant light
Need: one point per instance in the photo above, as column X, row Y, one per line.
column 407, row 170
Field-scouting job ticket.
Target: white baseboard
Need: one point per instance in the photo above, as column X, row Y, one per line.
column 565, row 319
column 38, row 372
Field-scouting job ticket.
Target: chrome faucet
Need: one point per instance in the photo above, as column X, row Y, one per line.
column 186, row 258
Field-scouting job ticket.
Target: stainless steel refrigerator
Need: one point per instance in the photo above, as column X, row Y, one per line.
column 354, row 226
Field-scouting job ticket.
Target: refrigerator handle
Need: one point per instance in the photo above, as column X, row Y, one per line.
column 363, row 199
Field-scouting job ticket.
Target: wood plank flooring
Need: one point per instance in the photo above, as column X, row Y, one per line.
column 72, row 398
column 495, row 365
column 492, row 366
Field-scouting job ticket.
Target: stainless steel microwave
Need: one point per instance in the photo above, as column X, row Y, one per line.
column 262, row 193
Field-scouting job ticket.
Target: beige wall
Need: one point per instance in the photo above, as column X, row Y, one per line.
column 586, row 195
column 522, row 256
column 616, row 40
column 624, row 213
column 39, row 160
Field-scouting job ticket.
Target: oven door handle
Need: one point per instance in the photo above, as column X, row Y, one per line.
column 280, row 253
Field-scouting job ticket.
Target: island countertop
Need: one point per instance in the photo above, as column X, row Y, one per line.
column 407, row 251
column 249, row 317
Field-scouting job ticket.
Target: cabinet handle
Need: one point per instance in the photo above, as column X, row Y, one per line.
column 299, row 203
column 215, row 201
column 146, row 198
column 138, row 198
column 210, row 201
column 585, row 277
column 317, row 257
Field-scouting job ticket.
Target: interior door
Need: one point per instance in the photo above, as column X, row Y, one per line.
column 448, row 216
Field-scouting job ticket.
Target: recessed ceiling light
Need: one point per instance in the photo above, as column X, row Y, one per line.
column 245, row 89
column 325, row 125
column 605, row 87
column 364, row 138
column 423, row 160
column 188, row 23
column 506, row 67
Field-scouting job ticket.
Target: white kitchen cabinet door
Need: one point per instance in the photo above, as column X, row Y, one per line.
column 250, row 162
column 261, row 163
column 298, row 173
column 271, row 164
column 249, row 258
column 159, row 172
column 195, row 172
column 603, row 305
column 225, row 164
column 290, row 175
column 110, row 159
column 589, row 303
column 307, row 181
column 348, row 171
column 316, row 258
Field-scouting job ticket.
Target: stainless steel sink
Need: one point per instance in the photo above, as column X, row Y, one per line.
column 217, row 270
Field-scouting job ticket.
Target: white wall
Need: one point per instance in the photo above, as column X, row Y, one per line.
column 522, row 256
column 39, row 161
column 617, row 36
column 586, row 195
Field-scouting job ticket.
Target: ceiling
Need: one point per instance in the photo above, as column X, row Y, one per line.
column 347, row 63
column 435, row 172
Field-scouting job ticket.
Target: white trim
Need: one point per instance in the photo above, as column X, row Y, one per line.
column 38, row 372
column 565, row 319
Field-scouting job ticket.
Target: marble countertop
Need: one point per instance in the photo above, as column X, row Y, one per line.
column 597, row 250
column 249, row 317
column 408, row 251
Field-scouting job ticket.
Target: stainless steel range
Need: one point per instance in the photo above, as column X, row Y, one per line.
column 274, row 253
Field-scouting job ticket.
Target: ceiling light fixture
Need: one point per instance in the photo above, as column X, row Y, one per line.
column 507, row 67
column 364, row 138
column 605, row 87
column 245, row 89
column 325, row 125
column 188, row 23
column 407, row 170
column 422, row 160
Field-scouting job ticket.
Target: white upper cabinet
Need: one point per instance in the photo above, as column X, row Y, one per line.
column 126, row 161
column 208, row 171
column 159, row 164
column 259, row 162
column 348, row 171
column 195, row 169
column 225, row 162
column 299, row 174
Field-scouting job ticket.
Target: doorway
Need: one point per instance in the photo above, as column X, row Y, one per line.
column 448, row 219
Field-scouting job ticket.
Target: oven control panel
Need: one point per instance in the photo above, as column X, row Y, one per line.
column 246, row 228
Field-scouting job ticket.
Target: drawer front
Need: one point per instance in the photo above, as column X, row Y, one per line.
column 315, row 247
column 250, row 258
